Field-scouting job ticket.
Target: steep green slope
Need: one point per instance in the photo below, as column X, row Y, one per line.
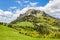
column 44, row 24
column 11, row 34
column 7, row 33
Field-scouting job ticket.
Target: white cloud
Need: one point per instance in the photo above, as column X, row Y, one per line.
column 4, row 15
column 32, row 4
column 19, row 2
column 8, row 16
column 52, row 8
column 13, row 7
column 25, row 1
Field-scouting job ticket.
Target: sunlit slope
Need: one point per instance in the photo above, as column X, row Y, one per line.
column 11, row 34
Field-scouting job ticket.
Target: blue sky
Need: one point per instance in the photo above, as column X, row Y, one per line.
column 6, row 4
column 11, row 9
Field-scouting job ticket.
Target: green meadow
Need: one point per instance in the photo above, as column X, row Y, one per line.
column 7, row 33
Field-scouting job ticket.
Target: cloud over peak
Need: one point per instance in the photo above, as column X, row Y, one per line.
column 52, row 8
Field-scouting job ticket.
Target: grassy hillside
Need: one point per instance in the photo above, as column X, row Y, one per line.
column 25, row 24
column 7, row 33
column 36, row 23
column 11, row 34
column 33, row 25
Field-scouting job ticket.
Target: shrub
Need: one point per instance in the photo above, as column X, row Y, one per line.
column 25, row 33
column 9, row 25
column 51, row 35
column 57, row 35
column 19, row 32
column 1, row 23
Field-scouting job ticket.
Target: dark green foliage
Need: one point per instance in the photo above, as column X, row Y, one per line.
column 10, row 25
column 19, row 32
column 57, row 35
column 1, row 23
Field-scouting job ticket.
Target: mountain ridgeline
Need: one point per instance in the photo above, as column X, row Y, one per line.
column 36, row 23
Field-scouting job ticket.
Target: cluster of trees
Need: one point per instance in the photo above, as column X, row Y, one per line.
column 1, row 23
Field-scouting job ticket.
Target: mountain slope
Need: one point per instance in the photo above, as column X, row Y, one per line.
column 43, row 23
column 7, row 33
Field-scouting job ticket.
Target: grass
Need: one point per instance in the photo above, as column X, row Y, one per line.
column 7, row 33
column 24, row 24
